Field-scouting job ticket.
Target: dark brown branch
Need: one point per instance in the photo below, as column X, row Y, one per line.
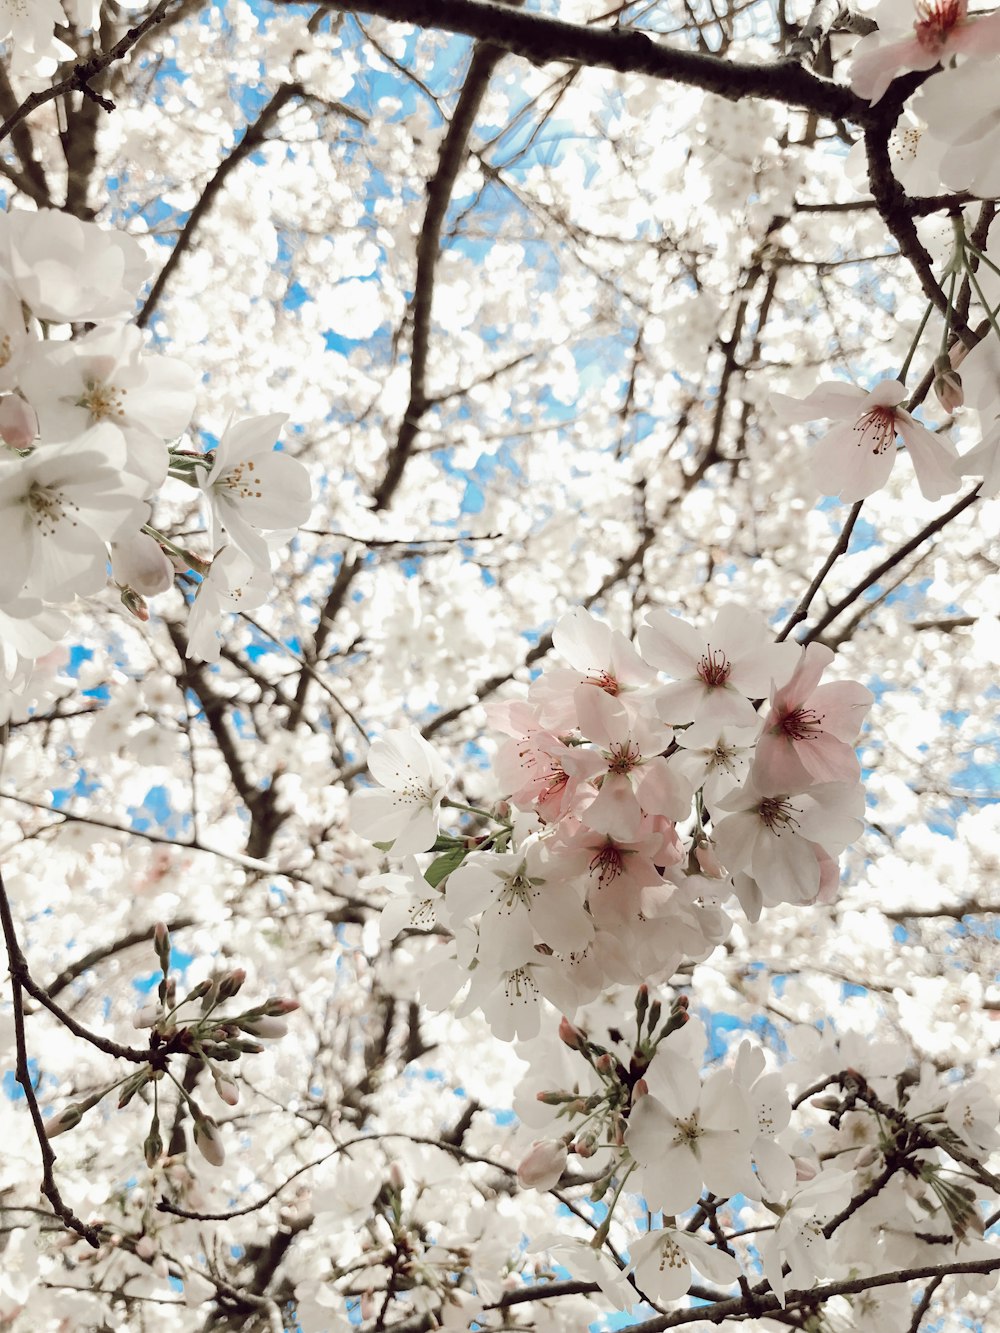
column 253, row 137
column 454, row 148
column 20, row 979
column 79, row 79
column 838, row 549
column 890, row 562
column 540, row 39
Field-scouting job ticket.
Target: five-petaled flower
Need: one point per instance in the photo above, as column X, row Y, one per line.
column 854, row 459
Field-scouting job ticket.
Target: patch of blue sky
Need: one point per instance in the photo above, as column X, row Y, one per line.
column 12, row 1090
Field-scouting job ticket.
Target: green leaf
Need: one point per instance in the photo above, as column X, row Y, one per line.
column 444, row 865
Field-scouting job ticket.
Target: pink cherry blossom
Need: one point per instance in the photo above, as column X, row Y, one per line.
column 598, row 655
column 942, row 29
column 810, row 730
column 854, row 459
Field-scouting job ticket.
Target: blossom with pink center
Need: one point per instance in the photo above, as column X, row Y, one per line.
column 536, row 767
column 854, row 459
column 942, row 29
column 598, row 656
column 634, row 776
column 621, row 874
column 717, row 671
column 810, row 730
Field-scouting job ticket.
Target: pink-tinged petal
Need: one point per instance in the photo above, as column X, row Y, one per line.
column 978, row 37
column 826, row 759
column 844, row 464
column 779, row 767
column 615, row 810
column 603, row 719
column 872, row 72
column 671, row 644
column 813, row 661
column 679, row 702
column 662, row 791
column 756, row 672
column 832, row 399
column 935, row 460
column 842, row 704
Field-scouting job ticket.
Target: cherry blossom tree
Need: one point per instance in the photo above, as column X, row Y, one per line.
column 499, row 766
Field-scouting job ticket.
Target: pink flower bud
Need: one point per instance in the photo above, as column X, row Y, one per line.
column 231, row 983
column 208, row 1141
column 709, row 864
column 226, row 1089
column 604, row 1064
column 275, row 1008
column 570, row 1035
column 866, row 1156
column 395, row 1175
column 18, row 423
column 641, row 1089
column 543, row 1165
column 804, row 1169
column 137, row 562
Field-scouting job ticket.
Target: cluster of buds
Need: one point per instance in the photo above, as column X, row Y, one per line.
column 602, row 1115
column 213, row 1039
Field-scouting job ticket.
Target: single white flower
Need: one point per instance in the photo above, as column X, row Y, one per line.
column 233, row 583
column 59, row 506
column 253, row 487
column 64, row 269
column 404, row 808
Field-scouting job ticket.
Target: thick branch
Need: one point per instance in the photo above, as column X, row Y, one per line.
column 540, row 39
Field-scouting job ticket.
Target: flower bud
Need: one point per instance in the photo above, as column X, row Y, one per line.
column 137, row 562
column 605, row 1064
column 208, row 1141
column 804, row 1169
column 226, row 1088
column 948, row 384
column 395, row 1175
column 277, row 1008
column 18, row 423
column 586, row 1145
column 145, row 1247
column 570, row 1035
column 709, row 864
column 231, row 983
column 543, row 1165
column 641, row 1089
column 161, row 943
column 153, row 1145
column 265, row 1027
column 68, row 1118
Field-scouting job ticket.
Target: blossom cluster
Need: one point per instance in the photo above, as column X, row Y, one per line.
column 91, row 422
column 859, row 1163
column 634, row 809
